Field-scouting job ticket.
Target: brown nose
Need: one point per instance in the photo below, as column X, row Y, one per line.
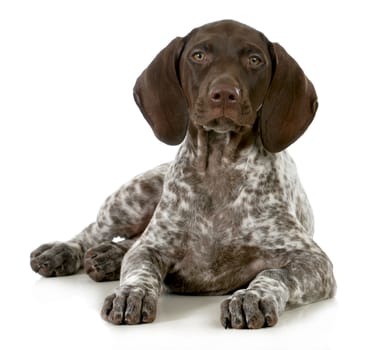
column 224, row 94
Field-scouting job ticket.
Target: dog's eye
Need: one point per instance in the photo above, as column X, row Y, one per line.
column 255, row 60
column 198, row 56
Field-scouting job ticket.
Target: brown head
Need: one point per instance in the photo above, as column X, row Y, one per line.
column 226, row 77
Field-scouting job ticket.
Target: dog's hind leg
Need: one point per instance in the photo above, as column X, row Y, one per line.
column 125, row 214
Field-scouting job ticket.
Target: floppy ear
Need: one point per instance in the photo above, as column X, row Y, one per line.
column 159, row 96
column 290, row 104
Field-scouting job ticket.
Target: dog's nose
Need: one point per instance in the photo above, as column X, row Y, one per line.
column 224, row 94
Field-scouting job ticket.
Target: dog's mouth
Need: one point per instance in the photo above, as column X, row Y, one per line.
column 223, row 119
column 222, row 125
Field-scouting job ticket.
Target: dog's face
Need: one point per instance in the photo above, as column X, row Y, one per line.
column 225, row 72
column 226, row 77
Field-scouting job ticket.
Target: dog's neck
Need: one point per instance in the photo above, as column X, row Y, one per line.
column 214, row 151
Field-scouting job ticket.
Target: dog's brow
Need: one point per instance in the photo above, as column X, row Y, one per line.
column 207, row 44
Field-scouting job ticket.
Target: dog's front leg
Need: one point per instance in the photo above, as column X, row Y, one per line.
column 307, row 278
column 135, row 300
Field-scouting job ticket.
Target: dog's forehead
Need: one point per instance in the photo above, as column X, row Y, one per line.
column 226, row 32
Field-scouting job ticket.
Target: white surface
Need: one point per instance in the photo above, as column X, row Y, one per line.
column 70, row 134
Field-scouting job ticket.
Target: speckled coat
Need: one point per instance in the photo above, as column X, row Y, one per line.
column 228, row 215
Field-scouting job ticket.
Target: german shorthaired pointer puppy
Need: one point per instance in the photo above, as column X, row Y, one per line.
column 228, row 215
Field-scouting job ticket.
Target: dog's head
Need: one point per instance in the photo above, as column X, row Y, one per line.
column 226, row 77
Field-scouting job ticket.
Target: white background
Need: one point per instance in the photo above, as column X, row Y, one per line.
column 70, row 134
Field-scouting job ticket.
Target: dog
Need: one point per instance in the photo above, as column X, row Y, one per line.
column 229, row 214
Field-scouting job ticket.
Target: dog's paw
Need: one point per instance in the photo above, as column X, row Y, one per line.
column 56, row 259
column 130, row 305
column 250, row 308
column 102, row 263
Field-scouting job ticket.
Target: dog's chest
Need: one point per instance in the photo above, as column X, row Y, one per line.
column 215, row 215
column 209, row 209
column 207, row 199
